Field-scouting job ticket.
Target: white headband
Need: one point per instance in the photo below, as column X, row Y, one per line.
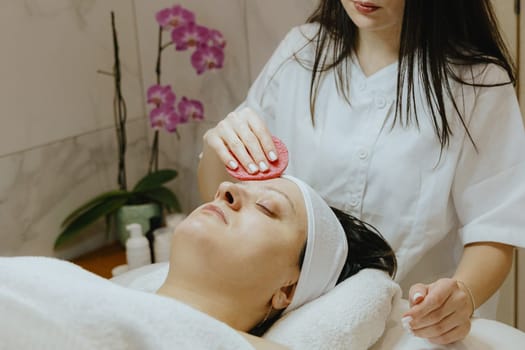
column 326, row 249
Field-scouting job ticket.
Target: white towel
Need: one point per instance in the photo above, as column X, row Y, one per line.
column 359, row 325
column 351, row 316
column 148, row 278
column 484, row 335
column 47, row 303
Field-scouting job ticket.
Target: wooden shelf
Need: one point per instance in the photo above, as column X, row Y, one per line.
column 103, row 260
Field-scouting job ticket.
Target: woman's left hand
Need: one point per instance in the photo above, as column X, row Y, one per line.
column 440, row 311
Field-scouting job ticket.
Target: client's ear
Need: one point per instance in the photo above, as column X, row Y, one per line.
column 283, row 297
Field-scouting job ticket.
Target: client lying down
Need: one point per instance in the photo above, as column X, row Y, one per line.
column 258, row 250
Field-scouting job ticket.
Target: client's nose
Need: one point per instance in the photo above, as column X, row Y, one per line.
column 231, row 194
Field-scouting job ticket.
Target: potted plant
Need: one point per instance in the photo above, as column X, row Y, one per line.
column 147, row 199
column 150, row 197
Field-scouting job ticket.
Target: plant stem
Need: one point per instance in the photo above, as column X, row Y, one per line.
column 105, row 73
column 166, row 45
column 154, row 157
column 159, row 55
column 119, row 111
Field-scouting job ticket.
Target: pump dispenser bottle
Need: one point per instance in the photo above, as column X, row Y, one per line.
column 137, row 247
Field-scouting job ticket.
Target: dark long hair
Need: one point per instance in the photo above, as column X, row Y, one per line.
column 366, row 249
column 435, row 36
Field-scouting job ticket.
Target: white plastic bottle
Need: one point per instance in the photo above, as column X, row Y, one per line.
column 137, row 247
column 162, row 243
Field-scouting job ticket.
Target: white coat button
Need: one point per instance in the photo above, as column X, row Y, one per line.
column 354, row 202
column 363, row 154
column 380, row 102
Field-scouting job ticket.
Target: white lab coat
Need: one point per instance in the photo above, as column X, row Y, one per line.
column 426, row 203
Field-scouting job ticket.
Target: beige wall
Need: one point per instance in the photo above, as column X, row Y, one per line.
column 520, row 290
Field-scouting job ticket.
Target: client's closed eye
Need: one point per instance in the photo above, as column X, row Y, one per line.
column 266, row 210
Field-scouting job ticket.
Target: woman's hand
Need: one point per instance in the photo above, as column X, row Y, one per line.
column 440, row 311
column 246, row 135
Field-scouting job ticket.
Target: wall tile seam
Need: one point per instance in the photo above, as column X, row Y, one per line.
column 139, row 56
column 72, row 137
column 246, row 39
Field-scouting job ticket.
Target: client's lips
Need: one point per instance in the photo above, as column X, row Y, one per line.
column 216, row 210
column 365, row 7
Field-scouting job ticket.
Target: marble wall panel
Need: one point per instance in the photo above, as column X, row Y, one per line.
column 39, row 187
column 268, row 21
column 51, row 51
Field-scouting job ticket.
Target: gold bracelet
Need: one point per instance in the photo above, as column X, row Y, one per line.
column 470, row 295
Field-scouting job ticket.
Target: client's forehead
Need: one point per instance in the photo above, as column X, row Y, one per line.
column 281, row 184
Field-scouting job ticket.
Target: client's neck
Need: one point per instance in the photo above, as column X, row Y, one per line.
column 212, row 302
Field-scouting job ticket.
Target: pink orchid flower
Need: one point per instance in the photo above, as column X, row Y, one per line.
column 191, row 109
column 161, row 95
column 170, row 18
column 216, row 39
column 207, row 58
column 190, row 35
column 158, row 116
column 172, row 121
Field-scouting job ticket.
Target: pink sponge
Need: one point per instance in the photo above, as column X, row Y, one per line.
column 276, row 167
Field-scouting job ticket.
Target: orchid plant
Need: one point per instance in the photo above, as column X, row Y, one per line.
column 207, row 47
column 208, row 54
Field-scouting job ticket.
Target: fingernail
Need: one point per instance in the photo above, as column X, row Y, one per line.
column 418, row 296
column 405, row 321
column 263, row 166
column 272, row 156
column 252, row 168
column 233, row 164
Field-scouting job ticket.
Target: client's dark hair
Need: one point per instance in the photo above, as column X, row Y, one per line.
column 366, row 249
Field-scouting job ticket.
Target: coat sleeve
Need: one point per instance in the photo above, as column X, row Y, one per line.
column 489, row 185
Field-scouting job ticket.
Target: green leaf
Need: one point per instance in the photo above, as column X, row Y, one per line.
column 155, row 180
column 109, row 218
column 164, row 196
column 88, row 217
column 92, row 203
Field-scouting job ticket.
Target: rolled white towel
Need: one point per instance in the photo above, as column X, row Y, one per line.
column 351, row 316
